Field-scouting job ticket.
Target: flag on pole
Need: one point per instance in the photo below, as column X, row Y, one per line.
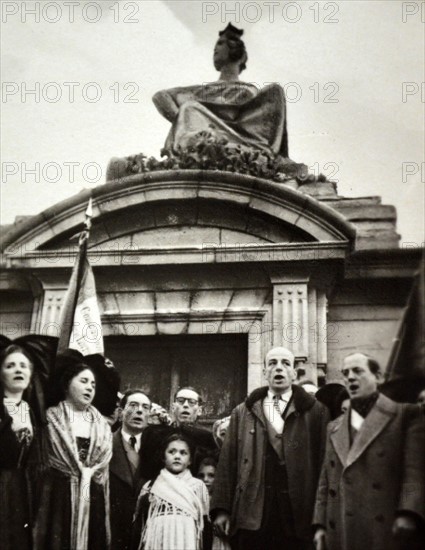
column 80, row 323
column 408, row 352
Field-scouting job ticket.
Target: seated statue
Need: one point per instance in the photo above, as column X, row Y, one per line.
column 223, row 125
column 228, row 108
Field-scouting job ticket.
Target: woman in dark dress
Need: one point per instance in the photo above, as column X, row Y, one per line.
column 24, row 371
column 74, row 508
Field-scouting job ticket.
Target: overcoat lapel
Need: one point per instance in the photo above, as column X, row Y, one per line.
column 290, row 408
column 340, row 438
column 257, row 409
column 274, row 437
column 382, row 413
column 119, row 464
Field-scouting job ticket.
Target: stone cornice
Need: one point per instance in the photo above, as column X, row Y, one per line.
column 293, row 207
column 382, row 264
column 171, row 316
column 204, row 254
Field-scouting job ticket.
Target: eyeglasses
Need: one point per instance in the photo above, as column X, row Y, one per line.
column 137, row 407
column 182, row 401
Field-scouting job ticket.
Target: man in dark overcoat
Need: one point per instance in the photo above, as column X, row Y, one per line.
column 371, row 489
column 269, row 465
column 125, row 475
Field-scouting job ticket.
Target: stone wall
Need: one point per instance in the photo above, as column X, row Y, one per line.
column 199, row 253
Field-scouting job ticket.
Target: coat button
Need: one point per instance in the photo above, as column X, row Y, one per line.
column 376, row 486
column 332, row 492
column 332, row 463
column 332, row 524
column 380, row 454
column 349, row 514
column 380, row 518
column 245, row 460
column 347, row 480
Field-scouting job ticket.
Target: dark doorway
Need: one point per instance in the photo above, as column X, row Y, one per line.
column 216, row 365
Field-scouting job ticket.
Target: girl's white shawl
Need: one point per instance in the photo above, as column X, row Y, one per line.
column 178, row 504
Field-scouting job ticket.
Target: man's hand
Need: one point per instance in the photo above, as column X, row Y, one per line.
column 222, row 524
column 320, row 539
column 404, row 527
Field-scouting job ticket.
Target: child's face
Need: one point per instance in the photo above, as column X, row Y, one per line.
column 177, row 457
column 207, row 474
column 223, row 429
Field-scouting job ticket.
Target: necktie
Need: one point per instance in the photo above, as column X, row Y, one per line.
column 276, row 405
column 133, row 442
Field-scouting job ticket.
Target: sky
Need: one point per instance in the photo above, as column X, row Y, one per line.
column 352, row 72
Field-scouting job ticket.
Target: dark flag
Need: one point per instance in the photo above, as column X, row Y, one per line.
column 405, row 373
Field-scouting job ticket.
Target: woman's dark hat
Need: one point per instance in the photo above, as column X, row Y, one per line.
column 332, row 395
column 107, row 378
column 42, row 351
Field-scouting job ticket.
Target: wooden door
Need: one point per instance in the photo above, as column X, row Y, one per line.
column 215, row 365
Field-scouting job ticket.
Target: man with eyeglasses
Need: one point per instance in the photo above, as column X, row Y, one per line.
column 125, row 467
column 187, row 407
column 186, row 410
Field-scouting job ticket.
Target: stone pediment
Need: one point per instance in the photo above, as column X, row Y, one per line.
column 162, row 214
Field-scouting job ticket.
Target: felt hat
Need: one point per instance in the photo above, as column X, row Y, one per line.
column 332, row 395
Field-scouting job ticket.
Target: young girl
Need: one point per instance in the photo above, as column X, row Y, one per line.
column 177, row 503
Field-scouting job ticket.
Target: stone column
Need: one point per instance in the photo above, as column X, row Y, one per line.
column 299, row 321
column 291, row 314
column 255, row 355
column 290, row 317
column 47, row 307
column 322, row 343
column 50, row 312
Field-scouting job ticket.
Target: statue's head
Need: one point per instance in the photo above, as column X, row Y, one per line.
column 230, row 48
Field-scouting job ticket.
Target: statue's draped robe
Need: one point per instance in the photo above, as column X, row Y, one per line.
column 236, row 111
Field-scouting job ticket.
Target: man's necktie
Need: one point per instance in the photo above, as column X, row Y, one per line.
column 133, row 442
column 276, row 406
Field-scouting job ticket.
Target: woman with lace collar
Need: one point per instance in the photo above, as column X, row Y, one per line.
column 24, row 369
column 74, row 504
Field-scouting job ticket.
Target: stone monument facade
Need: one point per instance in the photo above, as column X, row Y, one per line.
column 207, row 259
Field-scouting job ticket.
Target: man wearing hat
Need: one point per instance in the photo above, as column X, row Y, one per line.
column 269, row 465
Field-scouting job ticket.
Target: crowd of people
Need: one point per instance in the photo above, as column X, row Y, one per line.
column 292, row 468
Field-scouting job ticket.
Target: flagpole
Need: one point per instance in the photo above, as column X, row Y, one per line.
column 82, row 252
column 82, row 245
column 87, row 222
